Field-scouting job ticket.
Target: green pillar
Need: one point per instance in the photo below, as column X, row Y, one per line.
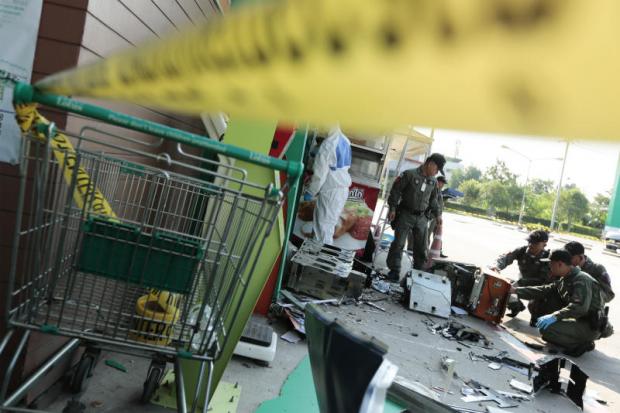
column 613, row 214
column 257, row 137
column 296, row 151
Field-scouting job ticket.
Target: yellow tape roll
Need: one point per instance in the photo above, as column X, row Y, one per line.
column 165, row 299
column 157, row 327
column 546, row 67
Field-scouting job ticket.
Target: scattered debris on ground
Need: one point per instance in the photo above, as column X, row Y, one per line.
column 458, row 332
column 291, row 336
column 116, row 365
column 550, row 376
column 502, row 359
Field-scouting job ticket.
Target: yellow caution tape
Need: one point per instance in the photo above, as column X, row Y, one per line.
column 85, row 192
column 545, row 67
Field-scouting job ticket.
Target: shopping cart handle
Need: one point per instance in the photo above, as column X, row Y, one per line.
column 25, row 93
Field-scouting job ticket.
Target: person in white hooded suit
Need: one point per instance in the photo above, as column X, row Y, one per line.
column 330, row 184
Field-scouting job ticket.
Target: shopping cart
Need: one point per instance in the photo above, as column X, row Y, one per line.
column 132, row 244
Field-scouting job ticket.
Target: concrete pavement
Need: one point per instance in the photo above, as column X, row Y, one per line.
column 465, row 239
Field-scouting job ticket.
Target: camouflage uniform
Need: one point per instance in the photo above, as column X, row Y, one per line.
column 582, row 299
column 599, row 273
column 533, row 272
column 432, row 224
column 413, row 195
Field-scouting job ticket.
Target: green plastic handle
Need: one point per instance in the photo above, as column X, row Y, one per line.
column 25, row 93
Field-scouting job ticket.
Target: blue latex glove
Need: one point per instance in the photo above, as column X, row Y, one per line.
column 308, row 196
column 545, row 321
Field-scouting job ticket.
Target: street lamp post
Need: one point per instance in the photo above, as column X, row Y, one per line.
column 557, row 194
column 527, row 178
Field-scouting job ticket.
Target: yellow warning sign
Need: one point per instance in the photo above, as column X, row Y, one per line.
column 544, row 67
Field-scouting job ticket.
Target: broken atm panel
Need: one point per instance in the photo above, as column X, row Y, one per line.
column 489, row 296
column 429, row 293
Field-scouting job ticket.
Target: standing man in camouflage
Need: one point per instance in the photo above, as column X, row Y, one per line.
column 412, row 200
column 432, row 222
column 582, row 318
column 597, row 271
column 533, row 271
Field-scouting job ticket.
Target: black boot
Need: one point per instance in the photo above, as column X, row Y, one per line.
column 580, row 349
column 393, row 276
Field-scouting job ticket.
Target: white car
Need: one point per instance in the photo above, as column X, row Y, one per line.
column 612, row 239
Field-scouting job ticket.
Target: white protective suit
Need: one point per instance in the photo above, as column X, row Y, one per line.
column 330, row 184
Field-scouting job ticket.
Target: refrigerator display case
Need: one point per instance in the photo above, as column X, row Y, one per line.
column 367, row 163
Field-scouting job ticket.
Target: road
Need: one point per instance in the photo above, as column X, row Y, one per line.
column 480, row 241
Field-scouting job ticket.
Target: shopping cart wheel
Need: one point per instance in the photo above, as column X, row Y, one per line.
column 153, row 378
column 82, row 373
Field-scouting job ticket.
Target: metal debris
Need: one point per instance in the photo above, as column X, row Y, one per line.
column 525, row 388
column 514, row 396
column 549, row 376
column 503, row 359
column 488, row 395
column 495, row 366
column 381, row 286
column 452, row 330
column 374, row 306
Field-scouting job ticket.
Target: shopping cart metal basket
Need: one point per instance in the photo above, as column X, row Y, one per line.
column 133, row 244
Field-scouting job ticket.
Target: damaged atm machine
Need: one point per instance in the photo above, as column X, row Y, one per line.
column 449, row 285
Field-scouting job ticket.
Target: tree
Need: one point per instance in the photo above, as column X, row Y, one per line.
column 598, row 210
column 541, row 186
column 515, row 196
column 495, row 195
column 461, row 175
column 472, row 191
column 573, row 205
column 500, row 173
column 539, row 205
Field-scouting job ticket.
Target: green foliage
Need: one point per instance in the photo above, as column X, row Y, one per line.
column 541, row 186
column 461, row 175
column 500, row 173
column 539, row 205
column 598, row 211
column 472, row 191
column 573, row 206
column 496, row 195
column 496, row 192
column 464, row 208
column 536, row 227
column 581, row 229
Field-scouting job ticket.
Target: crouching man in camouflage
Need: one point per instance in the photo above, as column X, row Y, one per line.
column 582, row 319
column 533, row 271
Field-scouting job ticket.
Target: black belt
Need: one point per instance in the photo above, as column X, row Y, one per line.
column 417, row 213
